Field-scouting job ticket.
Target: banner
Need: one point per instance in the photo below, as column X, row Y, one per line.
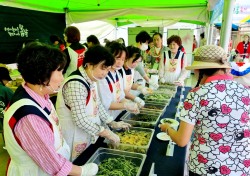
column 18, row 26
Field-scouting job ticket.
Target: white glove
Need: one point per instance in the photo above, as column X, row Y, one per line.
column 131, row 107
column 89, row 169
column 139, row 101
column 155, row 85
column 144, row 90
column 106, row 133
column 162, row 80
column 179, row 83
column 121, row 124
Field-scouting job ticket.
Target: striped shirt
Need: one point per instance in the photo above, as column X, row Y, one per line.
column 37, row 140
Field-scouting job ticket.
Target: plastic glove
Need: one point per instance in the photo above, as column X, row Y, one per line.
column 131, row 107
column 154, row 84
column 179, row 83
column 144, row 90
column 139, row 101
column 121, row 124
column 162, row 80
column 89, row 169
column 106, row 133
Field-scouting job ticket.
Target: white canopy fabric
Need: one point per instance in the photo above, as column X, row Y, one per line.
column 162, row 15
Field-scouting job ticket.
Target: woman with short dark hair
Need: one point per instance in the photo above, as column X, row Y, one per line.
column 74, row 51
column 172, row 67
column 92, row 40
column 83, row 116
column 128, row 70
column 111, row 88
column 31, row 126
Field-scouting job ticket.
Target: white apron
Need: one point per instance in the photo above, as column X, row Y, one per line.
column 127, row 79
column 73, row 62
column 116, row 94
column 172, row 68
column 77, row 139
column 21, row 164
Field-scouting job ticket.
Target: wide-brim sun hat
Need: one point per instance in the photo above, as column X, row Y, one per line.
column 245, row 35
column 209, row 57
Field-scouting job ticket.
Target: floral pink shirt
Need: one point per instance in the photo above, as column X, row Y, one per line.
column 219, row 111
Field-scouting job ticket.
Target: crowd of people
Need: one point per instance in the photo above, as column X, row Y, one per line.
column 93, row 84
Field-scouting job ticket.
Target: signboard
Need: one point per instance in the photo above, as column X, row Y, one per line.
column 18, row 26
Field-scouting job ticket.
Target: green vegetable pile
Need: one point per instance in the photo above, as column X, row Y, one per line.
column 152, row 107
column 167, row 84
column 117, row 167
column 158, row 97
column 167, row 121
column 144, row 117
column 133, row 141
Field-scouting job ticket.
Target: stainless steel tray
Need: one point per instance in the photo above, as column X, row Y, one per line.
column 138, row 148
column 158, row 97
column 154, row 107
column 102, row 154
column 138, row 120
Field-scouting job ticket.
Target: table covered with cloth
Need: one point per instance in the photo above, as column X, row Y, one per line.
column 164, row 165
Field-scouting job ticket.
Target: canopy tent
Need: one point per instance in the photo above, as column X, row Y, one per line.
column 234, row 26
column 123, row 12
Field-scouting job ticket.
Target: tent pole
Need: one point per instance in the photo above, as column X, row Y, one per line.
column 226, row 25
column 211, row 33
column 66, row 10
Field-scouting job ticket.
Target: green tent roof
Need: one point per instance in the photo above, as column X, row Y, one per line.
column 94, row 5
column 121, row 11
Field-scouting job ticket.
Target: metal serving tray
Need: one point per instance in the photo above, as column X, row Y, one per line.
column 143, row 148
column 136, row 120
column 158, row 97
column 155, row 102
column 170, row 87
column 166, row 91
column 154, row 107
column 102, row 154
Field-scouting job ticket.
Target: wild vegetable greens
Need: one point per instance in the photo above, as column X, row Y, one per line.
column 117, row 167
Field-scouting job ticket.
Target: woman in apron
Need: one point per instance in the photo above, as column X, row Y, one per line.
column 127, row 72
column 82, row 115
column 172, row 67
column 74, row 50
column 111, row 88
column 32, row 129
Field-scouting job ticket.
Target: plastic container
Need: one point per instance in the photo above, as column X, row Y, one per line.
column 137, row 148
column 154, row 107
column 103, row 153
column 137, row 120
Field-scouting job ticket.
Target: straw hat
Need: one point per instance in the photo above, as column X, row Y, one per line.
column 245, row 35
column 208, row 57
